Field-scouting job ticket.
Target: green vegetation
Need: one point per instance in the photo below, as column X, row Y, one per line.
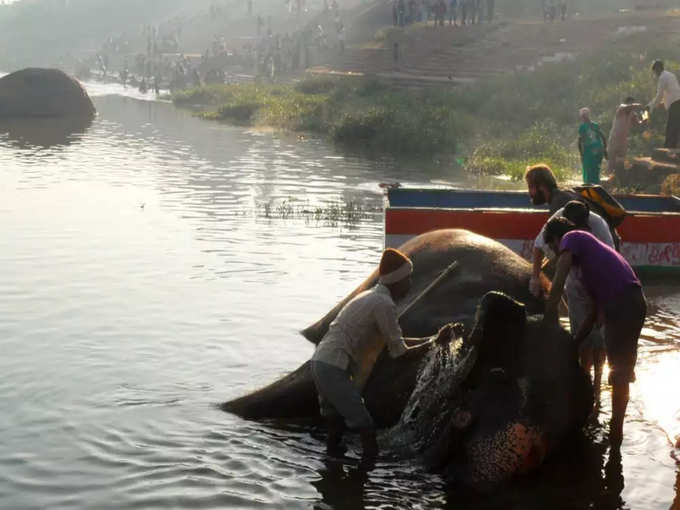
column 331, row 213
column 499, row 125
column 362, row 112
column 671, row 185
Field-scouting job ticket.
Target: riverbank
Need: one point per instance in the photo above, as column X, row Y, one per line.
column 495, row 126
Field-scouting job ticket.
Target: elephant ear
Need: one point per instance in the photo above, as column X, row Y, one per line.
column 500, row 324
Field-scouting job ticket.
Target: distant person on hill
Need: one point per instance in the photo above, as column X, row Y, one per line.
column 412, row 8
column 341, row 38
column 395, row 13
column 668, row 92
column 480, row 10
column 592, row 146
column 548, row 10
column 401, row 8
column 627, row 114
column 563, row 10
column 453, row 12
column 464, row 9
column 490, row 7
column 439, row 13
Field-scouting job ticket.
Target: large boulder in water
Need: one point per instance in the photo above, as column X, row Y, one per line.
column 38, row 92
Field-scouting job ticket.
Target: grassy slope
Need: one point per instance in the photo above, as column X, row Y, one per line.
column 499, row 125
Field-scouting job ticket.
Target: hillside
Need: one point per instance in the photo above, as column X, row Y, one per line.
column 428, row 54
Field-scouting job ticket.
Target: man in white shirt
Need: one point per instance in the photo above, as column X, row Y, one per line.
column 346, row 354
column 579, row 301
column 668, row 92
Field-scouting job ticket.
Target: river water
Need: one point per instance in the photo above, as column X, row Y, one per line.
column 153, row 265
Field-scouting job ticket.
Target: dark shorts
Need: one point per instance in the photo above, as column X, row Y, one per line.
column 623, row 321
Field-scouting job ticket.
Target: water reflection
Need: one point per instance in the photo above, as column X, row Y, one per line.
column 36, row 133
column 341, row 486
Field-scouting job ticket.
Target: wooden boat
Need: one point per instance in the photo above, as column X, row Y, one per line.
column 650, row 232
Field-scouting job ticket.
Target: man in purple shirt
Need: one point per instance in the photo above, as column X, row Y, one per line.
column 618, row 300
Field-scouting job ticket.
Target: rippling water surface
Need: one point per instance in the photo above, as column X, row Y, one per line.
column 152, row 265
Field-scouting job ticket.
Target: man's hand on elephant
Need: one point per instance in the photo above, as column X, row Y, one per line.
column 445, row 334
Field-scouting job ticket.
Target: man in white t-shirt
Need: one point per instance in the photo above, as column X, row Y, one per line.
column 668, row 92
column 578, row 299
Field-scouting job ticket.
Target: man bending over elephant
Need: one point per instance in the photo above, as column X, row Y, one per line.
column 618, row 300
column 591, row 351
column 354, row 340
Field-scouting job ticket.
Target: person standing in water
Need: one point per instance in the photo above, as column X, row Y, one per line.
column 592, row 146
column 617, row 300
column 591, row 350
column 347, row 352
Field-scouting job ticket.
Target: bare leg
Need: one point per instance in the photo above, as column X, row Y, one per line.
column 598, row 362
column 620, row 396
column 369, row 445
column 586, row 358
column 336, row 427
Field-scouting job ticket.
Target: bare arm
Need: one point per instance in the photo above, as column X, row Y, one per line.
column 537, row 262
column 413, row 341
column 563, row 266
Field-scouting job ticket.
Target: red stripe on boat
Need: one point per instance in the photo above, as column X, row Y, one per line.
column 647, row 228
column 494, row 224
column 636, row 228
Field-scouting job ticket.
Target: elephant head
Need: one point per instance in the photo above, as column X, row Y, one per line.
column 493, row 405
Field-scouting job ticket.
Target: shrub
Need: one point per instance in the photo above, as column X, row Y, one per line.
column 241, row 113
column 361, row 126
column 671, row 185
column 317, row 85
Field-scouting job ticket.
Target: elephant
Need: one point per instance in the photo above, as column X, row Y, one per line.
column 491, row 404
column 37, row 92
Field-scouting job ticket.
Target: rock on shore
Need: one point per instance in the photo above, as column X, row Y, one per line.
column 37, row 92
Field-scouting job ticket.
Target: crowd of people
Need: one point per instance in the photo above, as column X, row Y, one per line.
column 465, row 12
column 551, row 9
column 267, row 54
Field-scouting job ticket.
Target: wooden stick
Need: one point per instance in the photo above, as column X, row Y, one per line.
column 451, row 267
